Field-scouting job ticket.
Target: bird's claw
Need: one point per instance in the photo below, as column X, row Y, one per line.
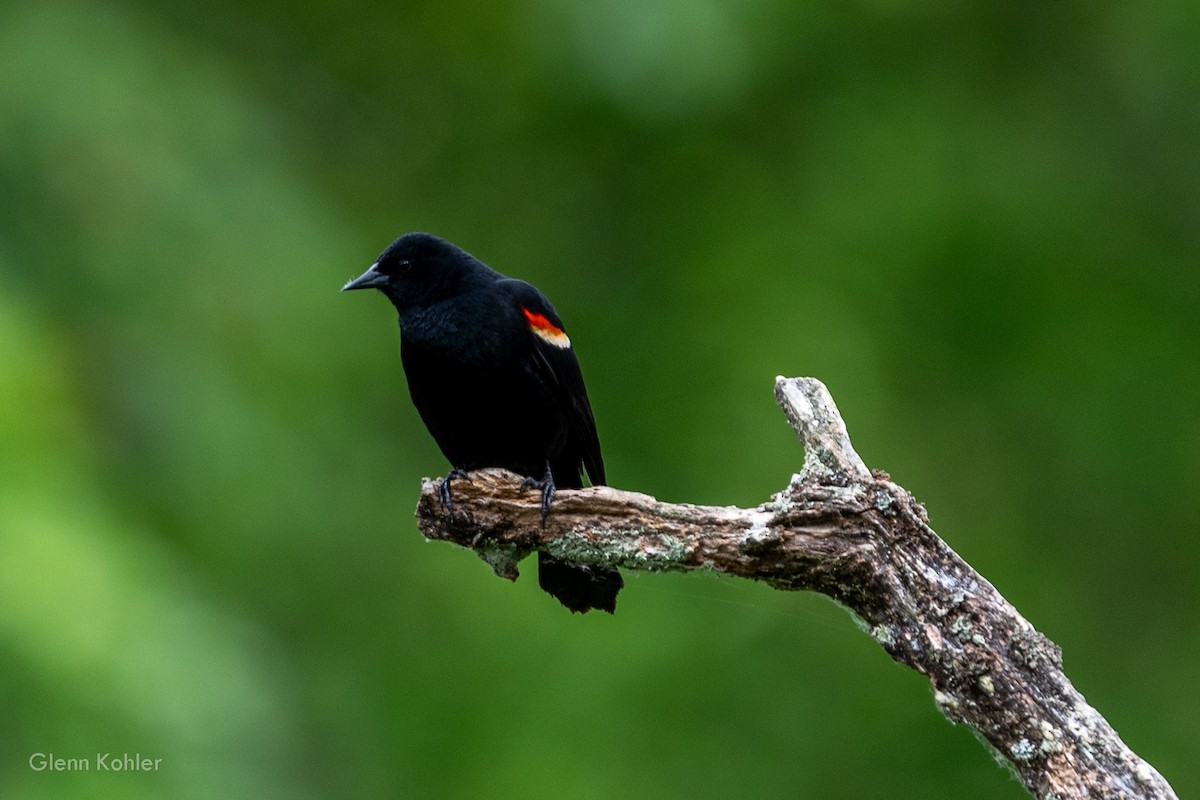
column 546, row 484
column 444, row 497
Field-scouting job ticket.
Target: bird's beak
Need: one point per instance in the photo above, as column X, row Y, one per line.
column 371, row 279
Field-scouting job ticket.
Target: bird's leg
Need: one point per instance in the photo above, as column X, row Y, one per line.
column 444, row 490
column 546, row 484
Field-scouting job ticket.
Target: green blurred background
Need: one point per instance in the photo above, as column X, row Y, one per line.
column 977, row 223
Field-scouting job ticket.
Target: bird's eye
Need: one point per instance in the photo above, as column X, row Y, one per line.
column 403, row 266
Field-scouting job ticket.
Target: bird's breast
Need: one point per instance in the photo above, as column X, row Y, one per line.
column 451, row 333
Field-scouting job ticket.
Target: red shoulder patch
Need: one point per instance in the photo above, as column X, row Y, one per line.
column 545, row 329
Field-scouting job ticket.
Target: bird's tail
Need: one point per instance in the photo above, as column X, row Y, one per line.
column 579, row 587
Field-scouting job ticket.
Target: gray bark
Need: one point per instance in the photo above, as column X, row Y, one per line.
column 853, row 535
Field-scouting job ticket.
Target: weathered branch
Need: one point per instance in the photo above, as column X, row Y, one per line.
column 854, row 536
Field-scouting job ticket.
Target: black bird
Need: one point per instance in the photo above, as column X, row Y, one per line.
column 491, row 371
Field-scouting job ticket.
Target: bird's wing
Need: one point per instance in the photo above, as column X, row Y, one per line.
column 554, row 360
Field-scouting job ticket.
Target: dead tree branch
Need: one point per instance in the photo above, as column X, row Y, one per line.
column 859, row 538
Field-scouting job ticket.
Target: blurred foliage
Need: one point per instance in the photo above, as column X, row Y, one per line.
column 978, row 223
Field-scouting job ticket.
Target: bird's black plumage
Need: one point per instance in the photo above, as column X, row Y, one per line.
column 494, row 377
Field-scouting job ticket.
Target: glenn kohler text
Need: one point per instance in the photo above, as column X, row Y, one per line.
column 103, row 762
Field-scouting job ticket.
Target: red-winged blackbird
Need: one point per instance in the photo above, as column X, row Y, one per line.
column 492, row 373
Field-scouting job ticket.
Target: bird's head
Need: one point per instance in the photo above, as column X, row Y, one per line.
column 418, row 269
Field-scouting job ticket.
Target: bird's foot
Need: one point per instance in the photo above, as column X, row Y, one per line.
column 444, row 490
column 546, row 484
